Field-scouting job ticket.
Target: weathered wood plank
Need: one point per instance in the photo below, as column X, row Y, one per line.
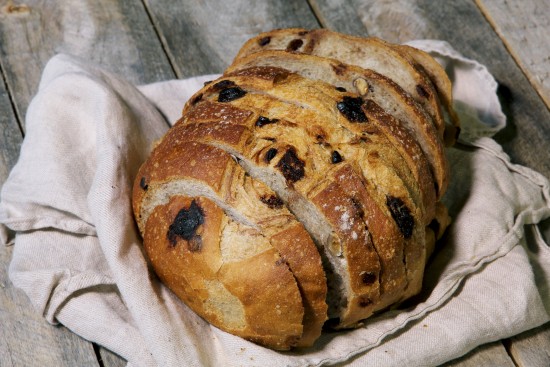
column 532, row 348
column 523, row 27
column 199, row 43
column 493, row 354
column 114, row 34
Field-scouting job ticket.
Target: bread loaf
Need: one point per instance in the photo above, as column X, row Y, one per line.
column 301, row 189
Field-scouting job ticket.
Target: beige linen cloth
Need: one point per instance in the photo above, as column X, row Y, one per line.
column 79, row 257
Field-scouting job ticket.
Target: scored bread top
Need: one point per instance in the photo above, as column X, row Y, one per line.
column 299, row 187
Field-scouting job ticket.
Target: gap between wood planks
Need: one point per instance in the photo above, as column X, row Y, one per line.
column 511, row 51
column 18, row 118
column 162, row 41
column 507, row 343
column 98, row 354
column 316, row 13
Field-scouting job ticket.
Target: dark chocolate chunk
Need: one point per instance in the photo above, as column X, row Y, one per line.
column 223, row 84
column 422, row 91
column 341, row 89
column 368, row 278
column 271, row 153
column 143, row 184
column 350, row 107
column 291, row 166
column 272, row 201
column 262, row 120
column 365, row 302
column 264, row 41
column 359, row 211
column 230, row 94
column 401, row 215
column 207, row 82
column 185, row 226
column 294, row 44
column 335, row 157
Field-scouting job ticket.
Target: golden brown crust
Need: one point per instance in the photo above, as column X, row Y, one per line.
column 306, row 172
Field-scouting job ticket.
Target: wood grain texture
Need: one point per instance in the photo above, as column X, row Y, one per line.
column 532, row 348
column 116, row 35
column 523, row 26
column 204, row 39
column 493, row 354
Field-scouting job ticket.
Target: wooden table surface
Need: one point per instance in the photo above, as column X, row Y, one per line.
column 153, row 40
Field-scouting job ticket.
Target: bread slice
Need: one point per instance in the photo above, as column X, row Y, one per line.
column 369, row 53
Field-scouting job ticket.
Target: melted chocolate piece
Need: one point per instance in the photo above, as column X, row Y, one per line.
column 185, row 226
column 335, row 157
column 223, row 84
column 291, row 166
column 401, row 215
column 264, row 41
column 143, row 184
column 272, row 201
column 231, row 94
column 262, row 120
column 341, row 89
column 365, row 302
column 368, row 278
column 422, row 91
column 350, row 107
column 294, row 44
column 271, row 153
